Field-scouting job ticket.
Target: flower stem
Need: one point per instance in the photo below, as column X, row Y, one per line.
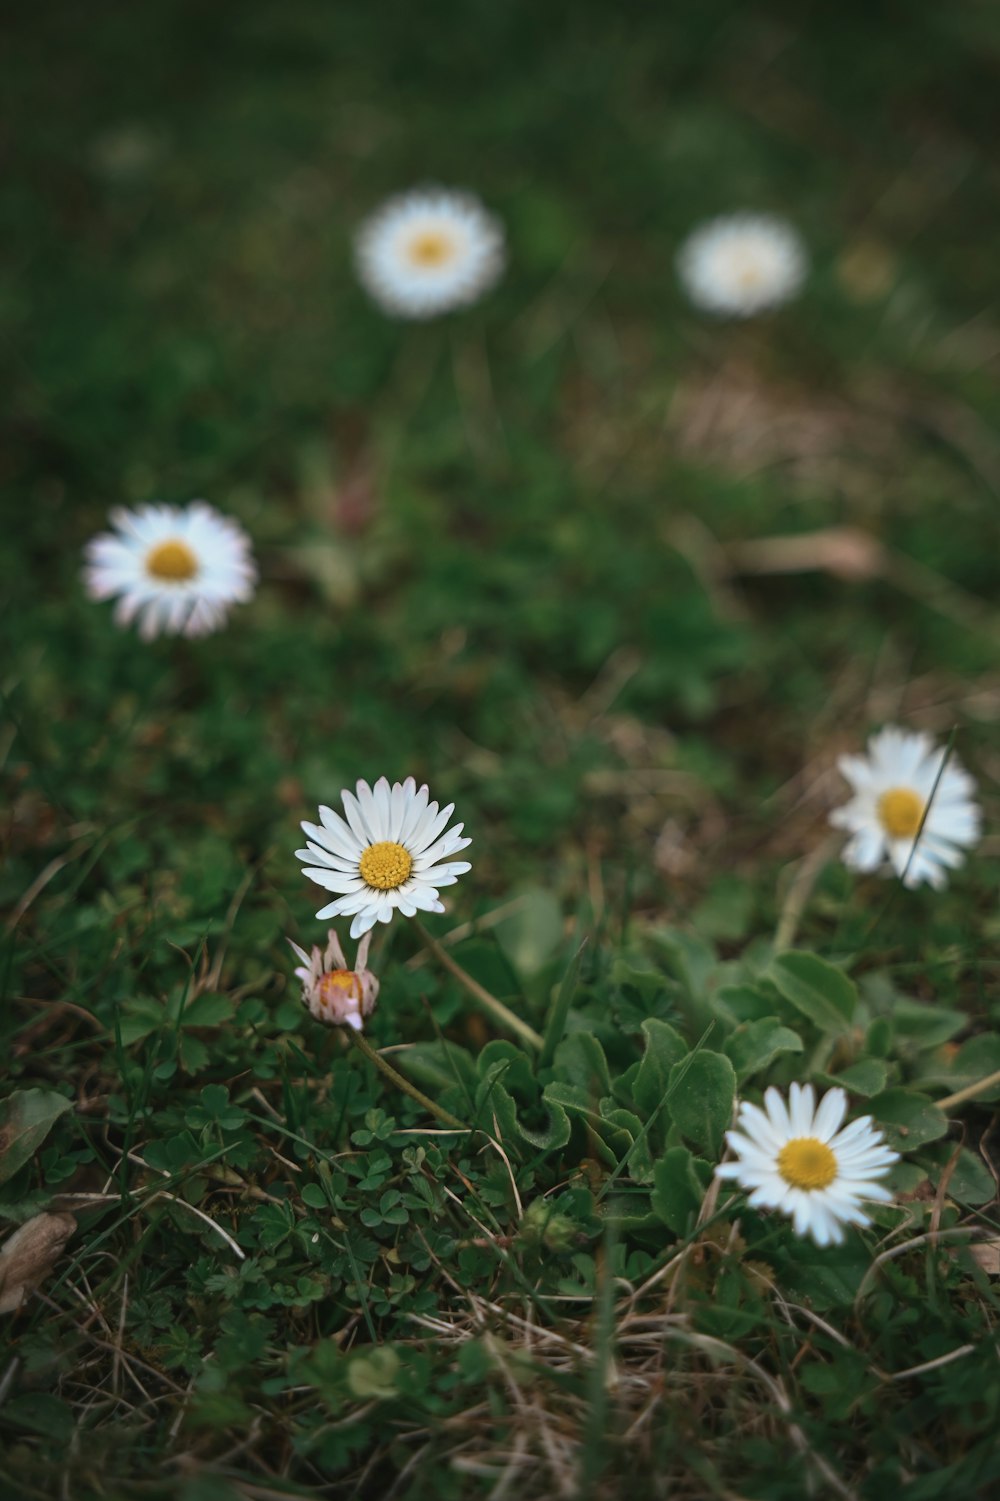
column 497, row 1009
column 800, row 891
column 969, row 1092
column 364, row 1046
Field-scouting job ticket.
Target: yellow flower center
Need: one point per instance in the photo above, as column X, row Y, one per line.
column 748, row 275
column 172, row 560
column 338, row 980
column 431, row 248
column 899, row 812
column 385, row 866
column 806, row 1162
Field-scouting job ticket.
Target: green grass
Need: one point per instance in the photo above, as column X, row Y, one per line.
column 508, row 553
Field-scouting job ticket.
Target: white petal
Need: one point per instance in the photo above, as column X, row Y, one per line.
column 334, row 956
column 414, row 815
column 430, row 828
column 801, row 1211
column 356, row 820
column 362, row 923
column 440, row 851
column 317, row 855
column 333, row 880
column 778, row 1113
column 832, row 1109
column 333, row 909
column 398, row 803
column 801, row 1108
column 375, row 814
column 341, row 839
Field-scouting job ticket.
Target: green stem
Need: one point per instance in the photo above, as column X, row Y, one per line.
column 497, row 1009
column 800, row 891
column 364, row 1046
column 968, row 1093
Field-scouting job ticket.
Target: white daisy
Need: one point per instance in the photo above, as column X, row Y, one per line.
column 333, row 992
column 176, row 569
column 386, row 855
column 741, row 264
column 796, row 1158
column 428, row 251
column 896, row 786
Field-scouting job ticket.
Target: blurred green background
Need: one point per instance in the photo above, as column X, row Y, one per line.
column 526, row 552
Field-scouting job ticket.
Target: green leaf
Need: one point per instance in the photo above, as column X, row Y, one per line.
column 215, row 1108
column 487, row 963
column 38, row 1412
column 825, row 1276
column 971, row 1181
column 647, row 981
column 173, row 1153
column 555, row 1025
column 700, row 1098
column 922, row 1025
column 756, row 1044
column 691, row 959
column 609, row 1140
column 638, row 1157
column 726, row 911
column 532, row 932
column 496, row 1108
column 866, row 1077
column 878, row 1038
column 144, row 1016
column 374, row 1374
column 193, row 1053
column 679, row 1183
column 580, row 1060
column 909, row 1118
column 550, row 1137
column 743, row 1003
column 26, row 1118
column 437, row 1065
column 818, row 990
column 664, row 1048
column 976, row 1059
column 207, row 1011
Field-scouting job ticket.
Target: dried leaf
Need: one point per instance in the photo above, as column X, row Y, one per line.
column 845, row 551
column 28, row 1256
column 26, row 1118
column 986, row 1254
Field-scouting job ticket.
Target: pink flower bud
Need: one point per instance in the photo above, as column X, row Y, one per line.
column 334, row 993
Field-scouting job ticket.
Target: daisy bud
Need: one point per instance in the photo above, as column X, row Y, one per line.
column 332, row 992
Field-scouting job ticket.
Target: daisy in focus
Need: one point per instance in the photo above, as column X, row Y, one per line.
column 428, row 251
column 332, row 992
column 796, row 1158
column 390, row 852
column 899, row 786
column 175, row 570
column 742, row 264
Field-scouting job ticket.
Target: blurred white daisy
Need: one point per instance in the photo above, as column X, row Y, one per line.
column 896, row 786
column 333, row 992
column 741, row 264
column 796, row 1158
column 428, row 251
column 174, row 569
column 387, row 855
